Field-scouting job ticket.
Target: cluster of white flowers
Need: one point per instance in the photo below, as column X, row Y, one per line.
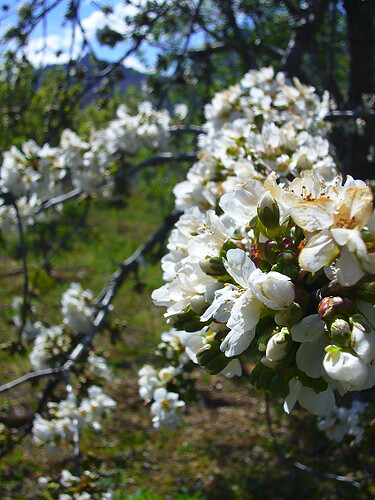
column 53, row 343
column 34, row 174
column 344, row 422
column 84, row 487
column 67, row 415
column 274, row 254
column 77, row 308
column 261, row 125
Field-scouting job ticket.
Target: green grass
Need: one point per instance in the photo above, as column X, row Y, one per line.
column 222, row 449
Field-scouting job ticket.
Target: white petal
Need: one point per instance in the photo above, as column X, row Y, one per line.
column 319, row 252
column 239, row 266
column 363, row 344
column 349, row 271
column 309, row 357
column 310, row 328
column 236, row 342
column 294, row 389
column 348, row 369
column 314, row 215
column 317, row 404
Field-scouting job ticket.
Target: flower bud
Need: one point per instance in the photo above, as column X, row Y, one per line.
column 271, row 250
column 339, row 331
column 212, row 267
column 288, row 244
column 329, row 307
column 278, row 346
column 289, row 316
column 268, row 211
column 343, row 366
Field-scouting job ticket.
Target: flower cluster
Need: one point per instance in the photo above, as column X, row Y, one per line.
column 68, row 415
column 344, row 422
column 263, row 124
column 53, row 343
column 34, row 174
column 274, row 253
column 71, row 487
column 51, row 347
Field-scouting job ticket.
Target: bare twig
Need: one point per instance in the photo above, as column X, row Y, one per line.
column 58, row 200
column 47, row 372
column 182, row 129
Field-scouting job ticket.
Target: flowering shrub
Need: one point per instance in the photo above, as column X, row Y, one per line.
column 271, row 260
column 33, row 175
column 273, row 256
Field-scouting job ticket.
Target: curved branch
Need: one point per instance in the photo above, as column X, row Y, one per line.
column 47, row 372
column 162, row 158
column 354, row 481
column 59, row 199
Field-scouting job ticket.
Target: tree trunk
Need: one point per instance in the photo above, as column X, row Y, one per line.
column 361, row 45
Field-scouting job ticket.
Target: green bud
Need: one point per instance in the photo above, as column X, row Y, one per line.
column 212, row 267
column 268, row 211
column 339, row 332
column 289, row 316
column 287, row 258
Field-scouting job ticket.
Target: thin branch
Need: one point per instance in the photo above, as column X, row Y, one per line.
column 58, row 200
column 25, row 304
column 354, row 481
column 107, row 295
column 47, row 372
column 349, row 114
column 162, row 158
column 182, row 129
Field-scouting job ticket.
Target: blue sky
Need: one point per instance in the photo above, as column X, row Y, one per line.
column 53, row 36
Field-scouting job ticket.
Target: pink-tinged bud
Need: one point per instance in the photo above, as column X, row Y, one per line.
column 271, row 250
column 330, row 307
column 288, row 244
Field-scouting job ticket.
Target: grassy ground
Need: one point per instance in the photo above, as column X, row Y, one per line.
column 222, row 449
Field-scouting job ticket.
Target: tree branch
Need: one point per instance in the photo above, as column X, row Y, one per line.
column 162, row 158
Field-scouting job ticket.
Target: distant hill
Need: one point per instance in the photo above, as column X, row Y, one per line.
column 126, row 77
